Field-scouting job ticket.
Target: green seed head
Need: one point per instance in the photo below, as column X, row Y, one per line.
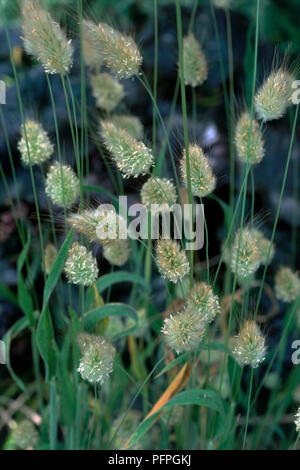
column 45, row 40
column 256, row 151
column 203, row 302
column 131, row 156
column 183, row 331
column 297, row 420
column 245, row 254
column 248, row 347
column 62, row 185
column 131, row 124
column 116, row 252
column 25, row 435
column 171, row 261
column 203, row 181
column 287, row 285
column 81, row 267
column 158, row 191
column 107, row 91
column 50, row 256
column 39, row 146
column 194, row 62
column 96, row 363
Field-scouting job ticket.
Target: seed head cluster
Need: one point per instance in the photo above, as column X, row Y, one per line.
column 131, row 156
column 81, row 267
column 45, row 40
column 25, row 435
column 183, row 331
column 255, row 153
column 62, row 185
column 118, row 51
column 131, row 124
column 202, row 301
column 39, row 145
column 96, row 363
column 158, row 191
column 116, row 252
column 111, row 226
column 107, row 91
column 203, row 181
column 171, row 261
column 245, row 254
column 248, row 347
column 194, row 61
column 287, row 284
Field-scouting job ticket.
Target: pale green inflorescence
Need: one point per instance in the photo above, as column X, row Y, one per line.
column 107, row 91
column 39, row 145
column 111, row 226
column 202, row 301
column 171, row 261
column 194, row 61
column 297, row 420
column 130, row 124
column 158, row 191
column 183, row 331
column 96, row 362
column 203, row 181
column 119, row 52
column 81, row 266
column 263, row 245
column 255, row 152
column 62, row 185
column 131, row 156
column 248, row 347
column 45, row 40
column 287, row 284
column 25, row 435
column 245, row 253
column 117, row 252
column 274, row 96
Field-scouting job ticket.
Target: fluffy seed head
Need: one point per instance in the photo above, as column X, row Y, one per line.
column 158, row 191
column 184, row 331
column 245, row 254
column 81, row 267
column 45, row 40
column 86, row 222
column 274, row 96
column 91, row 55
column 50, row 256
column 107, row 91
column 194, row 61
column 130, row 124
column 119, row 52
column 203, row 181
column 248, row 347
column 25, row 435
column 62, row 185
column 242, row 133
column 131, row 156
column 263, row 245
column 111, row 226
column 96, row 363
column 172, row 262
column 297, row 420
column 202, row 301
column 116, row 252
column 39, row 145
column 287, row 285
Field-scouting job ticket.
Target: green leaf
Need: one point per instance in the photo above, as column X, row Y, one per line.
column 66, row 390
column 120, row 276
column 8, row 295
column 201, row 397
column 56, row 269
column 24, row 297
column 91, row 318
column 46, row 342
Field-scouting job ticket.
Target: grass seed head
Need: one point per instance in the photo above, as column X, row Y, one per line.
column 25, row 435
column 39, row 145
column 183, row 331
column 245, row 253
column 202, row 301
column 194, row 61
column 171, row 261
column 203, row 181
column 96, row 363
column 50, row 256
column 130, row 124
column 116, row 252
column 107, row 91
column 131, row 156
column 297, row 420
column 287, row 284
column 242, row 133
column 81, row 266
column 62, row 185
column 45, row 40
column 158, row 191
column 248, row 347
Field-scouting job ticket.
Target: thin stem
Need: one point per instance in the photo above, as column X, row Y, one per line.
column 248, row 408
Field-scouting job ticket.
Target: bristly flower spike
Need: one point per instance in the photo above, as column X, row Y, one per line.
column 81, row 266
column 255, row 153
column 183, row 331
column 287, row 284
column 203, row 181
column 202, row 301
column 248, row 347
column 194, row 61
column 62, row 185
column 107, row 91
column 45, row 40
column 171, row 261
column 39, row 145
column 96, row 363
